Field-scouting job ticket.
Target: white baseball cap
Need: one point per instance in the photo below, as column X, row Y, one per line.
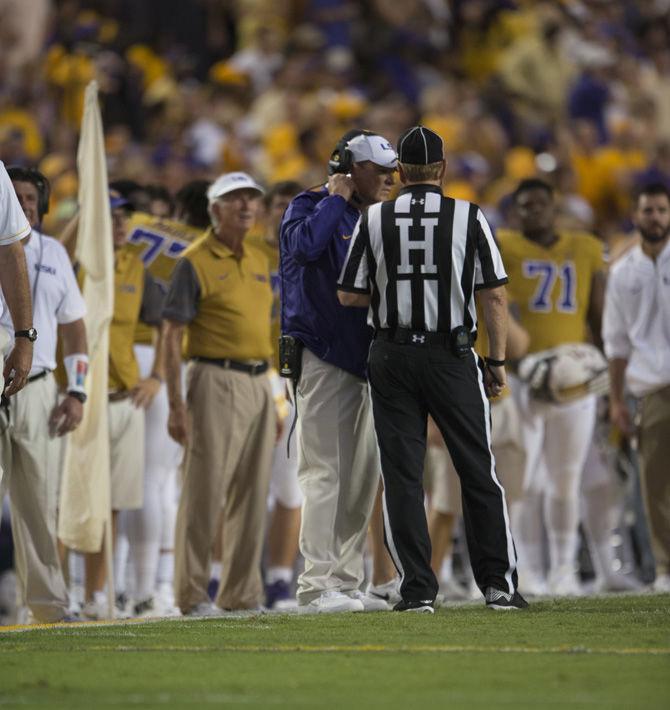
column 373, row 148
column 229, row 182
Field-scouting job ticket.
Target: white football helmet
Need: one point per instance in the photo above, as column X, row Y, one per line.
column 566, row 372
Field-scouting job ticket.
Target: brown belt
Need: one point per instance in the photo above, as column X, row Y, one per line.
column 118, row 396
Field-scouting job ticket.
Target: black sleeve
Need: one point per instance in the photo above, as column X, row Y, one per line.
column 181, row 303
column 153, row 297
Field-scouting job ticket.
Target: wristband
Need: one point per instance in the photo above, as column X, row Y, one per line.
column 494, row 363
column 76, row 368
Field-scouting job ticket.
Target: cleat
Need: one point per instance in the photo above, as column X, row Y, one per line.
column 425, row 606
column 503, row 601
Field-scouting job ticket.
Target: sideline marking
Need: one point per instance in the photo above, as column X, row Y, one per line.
column 381, row 649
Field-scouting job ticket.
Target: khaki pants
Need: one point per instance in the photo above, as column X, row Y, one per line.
column 31, row 459
column 228, row 459
column 655, row 472
column 338, row 472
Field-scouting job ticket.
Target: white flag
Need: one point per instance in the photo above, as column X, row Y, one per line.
column 85, row 492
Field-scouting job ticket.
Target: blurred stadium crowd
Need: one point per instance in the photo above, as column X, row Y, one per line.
column 576, row 92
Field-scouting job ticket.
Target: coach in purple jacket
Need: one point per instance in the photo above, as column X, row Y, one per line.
column 338, row 466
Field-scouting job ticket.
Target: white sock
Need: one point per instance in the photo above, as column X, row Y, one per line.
column 215, row 570
column 120, row 555
column 562, row 525
column 276, row 574
column 447, row 569
column 529, row 534
column 166, row 567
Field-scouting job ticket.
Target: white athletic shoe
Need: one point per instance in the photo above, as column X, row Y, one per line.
column 388, row 592
column 563, row 582
column 370, row 602
column 662, row 583
column 146, row 609
column 204, row 610
column 617, row 582
column 332, row 602
column 451, row 590
column 97, row 609
column 532, row 584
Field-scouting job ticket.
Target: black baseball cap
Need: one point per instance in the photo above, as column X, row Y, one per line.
column 420, row 146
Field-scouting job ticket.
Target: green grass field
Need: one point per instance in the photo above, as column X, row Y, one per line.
column 587, row 653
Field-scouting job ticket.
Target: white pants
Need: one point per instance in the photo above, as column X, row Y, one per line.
column 31, row 460
column 338, row 472
column 284, row 487
column 557, row 439
column 508, row 449
column 152, row 526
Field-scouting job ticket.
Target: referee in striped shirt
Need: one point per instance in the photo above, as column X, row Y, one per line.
column 417, row 262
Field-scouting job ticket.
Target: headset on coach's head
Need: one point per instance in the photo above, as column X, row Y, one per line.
column 35, row 177
column 342, row 159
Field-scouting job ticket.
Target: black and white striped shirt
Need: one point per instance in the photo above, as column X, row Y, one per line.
column 421, row 257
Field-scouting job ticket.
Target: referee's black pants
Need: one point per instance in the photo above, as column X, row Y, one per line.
column 407, row 383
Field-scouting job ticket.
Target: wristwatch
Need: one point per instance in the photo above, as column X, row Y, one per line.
column 81, row 396
column 31, row 334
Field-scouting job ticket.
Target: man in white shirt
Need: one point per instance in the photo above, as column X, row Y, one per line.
column 636, row 333
column 35, row 418
column 14, row 284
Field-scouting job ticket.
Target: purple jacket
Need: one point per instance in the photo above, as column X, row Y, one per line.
column 314, row 241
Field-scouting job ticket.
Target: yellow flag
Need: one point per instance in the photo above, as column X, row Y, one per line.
column 85, row 491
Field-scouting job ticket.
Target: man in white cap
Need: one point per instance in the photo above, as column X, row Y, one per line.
column 220, row 297
column 324, row 351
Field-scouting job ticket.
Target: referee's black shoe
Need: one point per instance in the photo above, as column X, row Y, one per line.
column 423, row 606
column 503, row 601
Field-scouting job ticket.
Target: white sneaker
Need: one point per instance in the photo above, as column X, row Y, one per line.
column 146, row 609
column 370, row 602
column 563, row 582
column 532, row 584
column 662, row 583
column 451, row 590
column 332, row 602
column 388, row 592
column 617, row 582
column 98, row 609
column 204, row 610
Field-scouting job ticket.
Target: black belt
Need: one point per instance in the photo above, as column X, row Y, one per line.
column 405, row 336
column 118, row 395
column 228, row 364
column 38, row 376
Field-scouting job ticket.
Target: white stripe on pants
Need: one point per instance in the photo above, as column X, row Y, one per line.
column 338, row 472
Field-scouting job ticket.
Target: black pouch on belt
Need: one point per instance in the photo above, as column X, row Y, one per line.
column 290, row 366
column 290, row 357
column 461, row 341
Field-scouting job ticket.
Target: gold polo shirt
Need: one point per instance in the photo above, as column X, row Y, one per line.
column 136, row 295
column 226, row 302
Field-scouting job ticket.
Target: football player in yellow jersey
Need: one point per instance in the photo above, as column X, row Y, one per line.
column 159, row 241
column 556, row 288
column 284, row 525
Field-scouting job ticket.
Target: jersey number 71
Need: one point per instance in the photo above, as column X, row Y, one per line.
column 546, row 273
